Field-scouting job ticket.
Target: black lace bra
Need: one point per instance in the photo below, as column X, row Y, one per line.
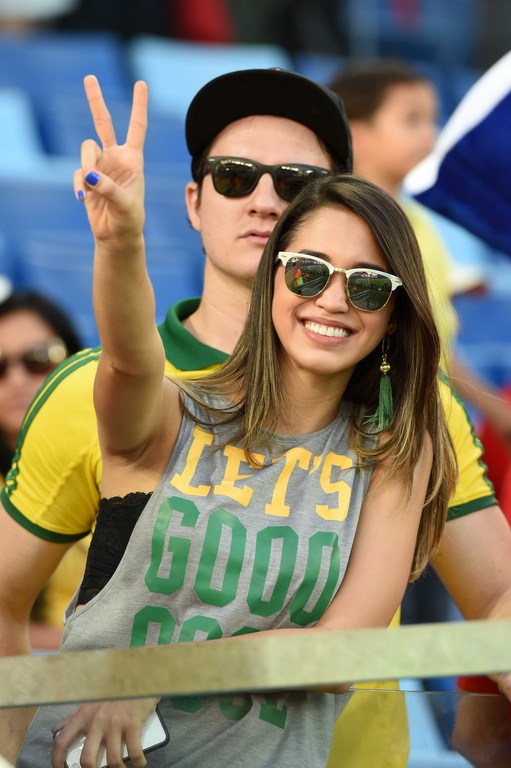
column 116, row 520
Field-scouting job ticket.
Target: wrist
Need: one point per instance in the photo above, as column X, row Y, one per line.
column 126, row 245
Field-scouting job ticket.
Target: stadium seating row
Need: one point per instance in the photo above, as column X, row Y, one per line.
column 49, row 67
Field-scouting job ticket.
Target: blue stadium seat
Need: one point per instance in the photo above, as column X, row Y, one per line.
column 484, row 341
column 38, row 201
column 166, row 215
column 21, row 146
column 49, row 243
column 173, row 273
column 175, row 70
column 321, row 67
column 42, row 202
column 43, row 64
column 59, row 264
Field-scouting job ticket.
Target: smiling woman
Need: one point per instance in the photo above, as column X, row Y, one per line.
column 253, row 499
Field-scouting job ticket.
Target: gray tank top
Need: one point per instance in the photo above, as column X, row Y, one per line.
column 223, row 548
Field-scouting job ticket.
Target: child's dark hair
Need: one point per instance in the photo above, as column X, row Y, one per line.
column 363, row 84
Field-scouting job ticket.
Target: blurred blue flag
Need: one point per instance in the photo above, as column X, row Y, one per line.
column 467, row 177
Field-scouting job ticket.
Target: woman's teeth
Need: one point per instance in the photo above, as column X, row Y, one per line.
column 326, row 330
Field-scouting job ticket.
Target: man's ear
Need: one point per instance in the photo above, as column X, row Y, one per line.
column 192, row 201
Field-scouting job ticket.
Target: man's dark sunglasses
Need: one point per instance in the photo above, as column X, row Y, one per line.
column 237, row 176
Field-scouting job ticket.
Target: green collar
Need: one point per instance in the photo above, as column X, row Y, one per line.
column 184, row 351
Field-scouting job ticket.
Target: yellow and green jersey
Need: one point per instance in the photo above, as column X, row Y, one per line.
column 53, row 487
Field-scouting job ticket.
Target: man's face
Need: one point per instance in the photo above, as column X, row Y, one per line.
column 235, row 230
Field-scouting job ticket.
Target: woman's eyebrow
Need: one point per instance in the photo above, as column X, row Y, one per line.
column 357, row 265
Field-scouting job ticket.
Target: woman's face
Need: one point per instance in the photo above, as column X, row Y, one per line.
column 20, row 332
column 326, row 335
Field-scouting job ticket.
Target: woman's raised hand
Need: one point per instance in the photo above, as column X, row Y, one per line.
column 111, row 179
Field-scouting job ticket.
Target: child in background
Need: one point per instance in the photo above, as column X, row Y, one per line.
column 392, row 109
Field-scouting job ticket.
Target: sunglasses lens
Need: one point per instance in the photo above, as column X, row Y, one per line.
column 233, row 178
column 368, row 291
column 306, row 277
column 288, row 183
column 45, row 358
column 38, row 366
column 40, row 360
column 290, row 180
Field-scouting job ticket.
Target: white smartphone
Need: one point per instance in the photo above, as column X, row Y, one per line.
column 154, row 735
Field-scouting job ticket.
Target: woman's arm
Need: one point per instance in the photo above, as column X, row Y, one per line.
column 137, row 412
column 381, row 558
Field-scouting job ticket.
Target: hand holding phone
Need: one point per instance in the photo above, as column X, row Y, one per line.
column 154, row 735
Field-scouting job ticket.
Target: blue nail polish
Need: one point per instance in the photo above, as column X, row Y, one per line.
column 92, row 178
column 80, row 195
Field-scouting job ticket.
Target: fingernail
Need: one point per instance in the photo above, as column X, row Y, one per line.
column 92, row 178
column 80, row 195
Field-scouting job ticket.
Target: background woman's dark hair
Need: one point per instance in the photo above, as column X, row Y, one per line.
column 48, row 311
column 54, row 316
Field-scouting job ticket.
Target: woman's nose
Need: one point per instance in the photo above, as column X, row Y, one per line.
column 335, row 295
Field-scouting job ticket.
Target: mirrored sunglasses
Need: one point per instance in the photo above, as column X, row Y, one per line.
column 367, row 289
column 237, row 177
column 40, row 360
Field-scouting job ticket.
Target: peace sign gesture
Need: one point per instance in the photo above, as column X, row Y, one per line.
column 111, row 180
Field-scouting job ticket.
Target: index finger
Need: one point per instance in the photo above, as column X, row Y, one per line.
column 100, row 114
column 138, row 119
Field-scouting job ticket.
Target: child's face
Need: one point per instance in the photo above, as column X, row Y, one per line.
column 400, row 134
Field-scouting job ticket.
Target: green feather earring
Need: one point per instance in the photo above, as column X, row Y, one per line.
column 383, row 414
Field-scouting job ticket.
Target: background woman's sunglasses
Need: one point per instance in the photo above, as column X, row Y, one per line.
column 367, row 289
column 237, row 177
column 40, row 360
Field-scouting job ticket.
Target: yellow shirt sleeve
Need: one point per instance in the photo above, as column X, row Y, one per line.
column 437, row 266
column 53, row 486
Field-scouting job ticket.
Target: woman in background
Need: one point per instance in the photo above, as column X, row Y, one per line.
column 35, row 336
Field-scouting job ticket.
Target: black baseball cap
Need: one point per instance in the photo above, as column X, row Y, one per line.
column 275, row 92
